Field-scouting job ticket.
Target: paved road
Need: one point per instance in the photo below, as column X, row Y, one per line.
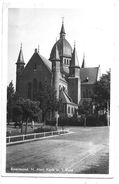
column 85, row 150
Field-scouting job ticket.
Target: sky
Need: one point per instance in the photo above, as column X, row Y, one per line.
column 89, row 27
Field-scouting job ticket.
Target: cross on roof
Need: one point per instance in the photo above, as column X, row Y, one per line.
column 62, row 20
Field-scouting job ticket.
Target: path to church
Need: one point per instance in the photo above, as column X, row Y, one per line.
column 83, row 151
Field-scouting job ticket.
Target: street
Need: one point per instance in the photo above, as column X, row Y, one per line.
column 84, row 150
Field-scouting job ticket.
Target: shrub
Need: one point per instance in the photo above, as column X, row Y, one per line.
column 45, row 129
column 12, row 133
column 73, row 121
column 93, row 120
column 51, row 122
column 103, row 120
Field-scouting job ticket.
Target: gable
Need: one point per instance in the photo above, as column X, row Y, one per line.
column 65, row 98
column 38, row 67
column 38, row 60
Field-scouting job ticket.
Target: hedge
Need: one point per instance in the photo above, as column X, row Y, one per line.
column 45, row 129
column 91, row 120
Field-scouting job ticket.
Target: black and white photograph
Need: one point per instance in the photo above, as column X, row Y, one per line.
column 58, row 97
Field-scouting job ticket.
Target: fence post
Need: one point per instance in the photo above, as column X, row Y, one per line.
column 34, row 136
column 44, row 134
column 23, row 137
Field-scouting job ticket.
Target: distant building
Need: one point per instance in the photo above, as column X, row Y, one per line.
column 73, row 83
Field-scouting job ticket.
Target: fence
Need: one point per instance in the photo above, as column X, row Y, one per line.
column 33, row 136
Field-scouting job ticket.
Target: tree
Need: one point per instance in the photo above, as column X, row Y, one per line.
column 102, row 92
column 10, row 100
column 27, row 109
column 85, row 109
column 47, row 98
column 17, row 116
column 20, row 109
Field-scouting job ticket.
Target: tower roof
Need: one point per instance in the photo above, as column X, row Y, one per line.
column 20, row 57
column 62, row 32
column 55, row 55
column 74, row 60
column 83, row 63
column 63, row 46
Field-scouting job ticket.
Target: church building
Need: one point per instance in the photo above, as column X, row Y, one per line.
column 73, row 83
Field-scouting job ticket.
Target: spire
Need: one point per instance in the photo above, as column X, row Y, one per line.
column 62, row 32
column 74, row 60
column 74, row 44
column 20, row 57
column 38, row 48
column 83, row 63
column 56, row 54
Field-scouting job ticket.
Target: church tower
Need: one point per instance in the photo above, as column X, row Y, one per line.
column 56, row 71
column 19, row 68
column 64, row 50
column 74, row 66
column 83, row 63
column 55, row 79
column 74, row 85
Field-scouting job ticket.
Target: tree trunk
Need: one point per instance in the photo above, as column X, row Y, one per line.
column 22, row 127
column 84, row 121
column 56, row 118
column 26, row 126
column 43, row 118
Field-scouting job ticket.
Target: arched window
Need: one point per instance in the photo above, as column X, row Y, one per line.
column 65, row 109
column 67, row 61
column 29, row 90
column 86, row 93
column 64, row 61
column 90, row 94
column 40, row 86
column 34, row 89
column 35, row 67
column 63, row 88
column 60, row 87
column 72, row 110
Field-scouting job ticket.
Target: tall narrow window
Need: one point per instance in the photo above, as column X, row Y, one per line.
column 63, row 88
column 64, row 61
column 90, row 94
column 34, row 89
column 29, row 90
column 35, row 67
column 72, row 110
column 86, row 93
column 65, row 109
column 68, row 109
